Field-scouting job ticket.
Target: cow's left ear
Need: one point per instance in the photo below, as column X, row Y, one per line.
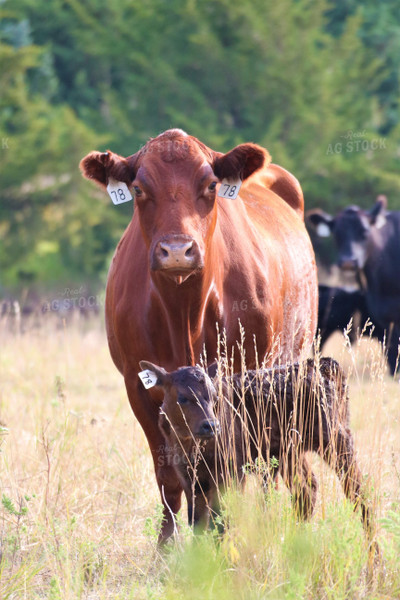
column 241, row 162
column 102, row 166
column 377, row 215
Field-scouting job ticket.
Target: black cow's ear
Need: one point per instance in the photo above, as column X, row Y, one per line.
column 102, row 166
column 241, row 162
column 159, row 372
column 377, row 215
column 320, row 221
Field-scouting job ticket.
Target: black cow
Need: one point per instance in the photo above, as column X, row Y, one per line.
column 368, row 242
column 337, row 306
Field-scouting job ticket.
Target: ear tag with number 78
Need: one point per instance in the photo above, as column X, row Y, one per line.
column 229, row 188
column 149, row 379
column 118, row 191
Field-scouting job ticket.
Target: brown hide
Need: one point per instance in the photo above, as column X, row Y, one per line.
column 190, row 260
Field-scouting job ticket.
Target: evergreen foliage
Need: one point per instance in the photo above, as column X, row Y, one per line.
column 315, row 83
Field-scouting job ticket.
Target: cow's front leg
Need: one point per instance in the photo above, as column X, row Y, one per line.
column 170, row 490
column 147, row 412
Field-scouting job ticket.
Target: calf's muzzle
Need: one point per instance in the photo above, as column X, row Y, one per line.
column 209, row 428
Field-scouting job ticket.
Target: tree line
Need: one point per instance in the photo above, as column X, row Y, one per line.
column 316, row 83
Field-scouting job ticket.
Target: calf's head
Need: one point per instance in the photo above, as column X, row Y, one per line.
column 187, row 410
column 351, row 229
column 174, row 178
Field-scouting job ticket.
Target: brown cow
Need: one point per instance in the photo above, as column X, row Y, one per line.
column 269, row 416
column 190, row 260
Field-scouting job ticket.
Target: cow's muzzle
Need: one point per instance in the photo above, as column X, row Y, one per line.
column 179, row 255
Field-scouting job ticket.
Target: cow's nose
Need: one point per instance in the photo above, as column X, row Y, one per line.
column 208, row 428
column 176, row 253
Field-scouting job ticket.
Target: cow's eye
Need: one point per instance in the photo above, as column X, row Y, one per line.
column 182, row 399
column 212, row 186
column 137, row 190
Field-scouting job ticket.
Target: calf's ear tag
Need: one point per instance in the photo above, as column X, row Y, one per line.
column 149, row 379
column 229, row 188
column 118, row 191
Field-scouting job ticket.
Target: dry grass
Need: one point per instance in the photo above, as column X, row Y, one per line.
column 80, row 508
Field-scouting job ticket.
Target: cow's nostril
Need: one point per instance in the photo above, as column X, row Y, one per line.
column 189, row 251
column 164, row 252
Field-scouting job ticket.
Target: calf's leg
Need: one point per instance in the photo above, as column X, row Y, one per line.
column 343, row 460
column 301, row 481
column 197, row 496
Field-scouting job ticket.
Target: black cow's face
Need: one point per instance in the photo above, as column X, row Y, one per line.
column 351, row 230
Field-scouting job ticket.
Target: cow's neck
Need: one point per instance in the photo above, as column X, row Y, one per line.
column 186, row 308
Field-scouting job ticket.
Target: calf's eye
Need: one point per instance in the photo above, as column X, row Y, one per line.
column 182, row 400
column 137, row 190
column 212, row 186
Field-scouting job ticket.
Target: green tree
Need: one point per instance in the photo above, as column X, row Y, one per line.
column 295, row 76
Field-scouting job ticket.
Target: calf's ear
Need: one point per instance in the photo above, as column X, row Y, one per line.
column 320, row 221
column 241, row 162
column 159, row 372
column 103, row 166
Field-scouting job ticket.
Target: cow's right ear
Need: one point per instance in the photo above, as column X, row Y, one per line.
column 320, row 221
column 100, row 167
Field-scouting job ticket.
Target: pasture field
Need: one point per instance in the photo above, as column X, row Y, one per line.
column 80, row 508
